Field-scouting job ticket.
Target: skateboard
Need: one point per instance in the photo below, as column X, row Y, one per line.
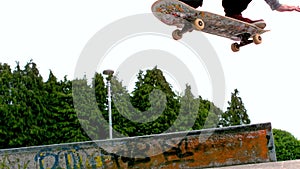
column 181, row 15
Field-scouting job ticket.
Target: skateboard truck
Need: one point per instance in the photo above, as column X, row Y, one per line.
column 188, row 27
column 256, row 39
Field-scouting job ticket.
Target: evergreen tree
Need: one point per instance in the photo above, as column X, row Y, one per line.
column 208, row 115
column 87, row 110
column 69, row 125
column 236, row 113
column 7, row 120
column 100, row 91
column 189, row 107
column 36, row 112
column 150, row 104
column 26, row 108
column 52, row 103
column 123, row 113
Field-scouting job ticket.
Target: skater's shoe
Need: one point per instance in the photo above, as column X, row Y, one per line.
column 259, row 23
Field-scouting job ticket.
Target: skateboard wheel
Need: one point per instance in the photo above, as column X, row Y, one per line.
column 199, row 24
column 257, row 39
column 235, row 47
column 176, row 34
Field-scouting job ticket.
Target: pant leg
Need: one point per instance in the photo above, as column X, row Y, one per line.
column 235, row 7
column 193, row 3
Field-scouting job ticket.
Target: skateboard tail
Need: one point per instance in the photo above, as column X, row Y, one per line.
column 174, row 12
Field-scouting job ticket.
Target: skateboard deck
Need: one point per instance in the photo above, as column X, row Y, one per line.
column 181, row 15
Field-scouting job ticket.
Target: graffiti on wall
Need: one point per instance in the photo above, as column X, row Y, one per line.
column 72, row 158
column 222, row 148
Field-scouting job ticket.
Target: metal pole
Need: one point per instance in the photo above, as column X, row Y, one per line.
column 109, row 109
column 109, row 74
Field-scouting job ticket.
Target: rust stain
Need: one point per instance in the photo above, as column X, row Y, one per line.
column 217, row 149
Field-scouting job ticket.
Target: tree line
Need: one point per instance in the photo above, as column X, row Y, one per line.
column 35, row 111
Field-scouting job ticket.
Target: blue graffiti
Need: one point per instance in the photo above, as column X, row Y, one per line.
column 72, row 157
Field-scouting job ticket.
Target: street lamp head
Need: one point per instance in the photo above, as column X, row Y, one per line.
column 109, row 73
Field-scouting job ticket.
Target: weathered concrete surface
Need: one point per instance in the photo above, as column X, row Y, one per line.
column 294, row 164
column 195, row 149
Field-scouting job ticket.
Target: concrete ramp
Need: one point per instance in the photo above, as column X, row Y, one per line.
column 195, row 149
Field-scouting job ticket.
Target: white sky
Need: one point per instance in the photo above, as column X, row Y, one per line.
column 54, row 33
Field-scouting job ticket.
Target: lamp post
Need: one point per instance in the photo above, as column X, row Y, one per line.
column 109, row 74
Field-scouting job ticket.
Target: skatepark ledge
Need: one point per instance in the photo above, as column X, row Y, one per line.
column 217, row 147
